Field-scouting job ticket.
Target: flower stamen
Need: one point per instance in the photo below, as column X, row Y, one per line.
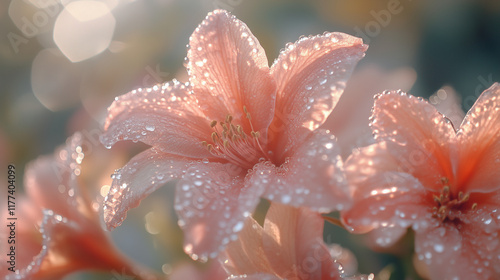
column 230, row 141
column 446, row 202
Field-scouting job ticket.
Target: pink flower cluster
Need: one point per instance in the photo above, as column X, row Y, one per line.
column 240, row 131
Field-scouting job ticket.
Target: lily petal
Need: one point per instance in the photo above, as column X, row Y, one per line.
column 313, row 176
column 294, row 245
column 479, row 139
column 311, row 76
column 51, row 181
column 417, row 135
column 395, row 199
column 461, row 254
column 165, row 116
column 212, row 202
column 246, row 255
column 447, row 101
column 142, row 175
column 228, row 69
column 256, row 276
column 350, row 118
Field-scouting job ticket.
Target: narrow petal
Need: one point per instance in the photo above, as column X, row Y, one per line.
column 228, row 69
column 313, row 176
column 447, row 101
column 165, row 116
column 395, row 199
column 51, row 181
column 479, row 139
column 246, row 255
column 142, row 175
column 212, row 203
column 417, row 135
column 311, row 76
column 294, row 244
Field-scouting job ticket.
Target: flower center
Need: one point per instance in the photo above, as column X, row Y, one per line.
column 229, row 141
column 447, row 202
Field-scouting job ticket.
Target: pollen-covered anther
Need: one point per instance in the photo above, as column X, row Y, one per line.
column 446, row 202
column 230, row 141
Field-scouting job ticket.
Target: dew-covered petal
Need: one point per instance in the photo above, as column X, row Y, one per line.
column 447, row 102
column 246, row 255
column 311, row 75
column 212, row 202
column 313, row 176
column 350, row 118
column 70, row 246
column 294, row 244
column 165, row 116
column 386, row 236
column 479, row 140
column 141, row 176
column 228, row 69
column 462, row 252
column 417, row 135
column 366, row 162
column 255, row 276
column 395, row 199
column 51, row 181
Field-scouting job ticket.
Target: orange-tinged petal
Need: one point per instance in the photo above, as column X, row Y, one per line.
column 212, row 202
column 313, row 176
column 479, row 140
column 165, row 116
column 417, row 135
column 228, row 69
column 142, row 175
column 311, row 76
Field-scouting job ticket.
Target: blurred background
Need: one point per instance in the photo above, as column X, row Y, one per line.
column 62, row 62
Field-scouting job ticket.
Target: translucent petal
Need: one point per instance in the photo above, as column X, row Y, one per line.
column 350, row 118
column 447, row 102
column 294, row 244
column 246, row 255
column 51, row 181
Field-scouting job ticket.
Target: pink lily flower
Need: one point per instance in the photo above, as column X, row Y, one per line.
column 289, row 246
column 238, row 131
column 58, row 230
column 442, row 182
